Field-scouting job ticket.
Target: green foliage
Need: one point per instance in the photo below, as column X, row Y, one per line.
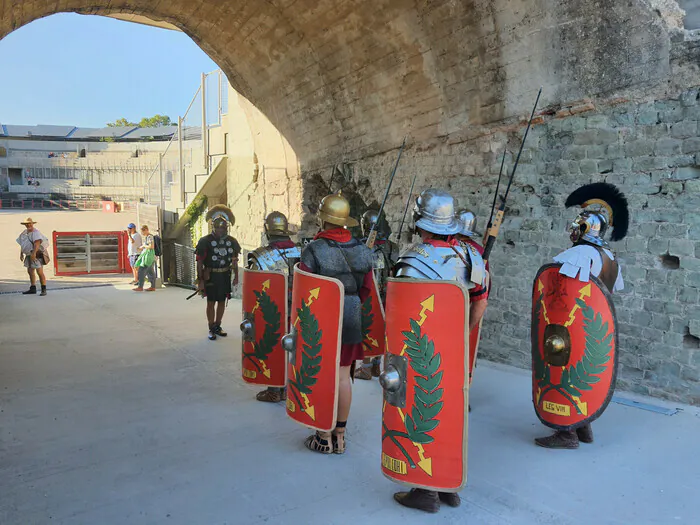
column 427, row 392
column 271, row 335
column 581, row 376
column 311, row 351
column 195, row 213
column 155, row 121
column 120, row 122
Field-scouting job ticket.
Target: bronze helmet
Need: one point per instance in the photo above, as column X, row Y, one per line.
column 335, row 209
column 276, row 224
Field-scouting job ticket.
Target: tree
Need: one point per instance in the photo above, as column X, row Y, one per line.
column 120, row 122
column 155, row 121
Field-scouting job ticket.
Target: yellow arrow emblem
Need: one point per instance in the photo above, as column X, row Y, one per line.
column 266, row 371
column 373, row 341
column 265, row 286
column 313, row 295
column 427, row 305
column 583, row 292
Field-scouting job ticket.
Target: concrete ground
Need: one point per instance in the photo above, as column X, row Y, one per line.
column 116, row 409
column 13, row 275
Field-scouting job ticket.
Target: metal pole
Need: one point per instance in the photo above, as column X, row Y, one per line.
column 205, row 141
column 159, row 212
column 179, row 151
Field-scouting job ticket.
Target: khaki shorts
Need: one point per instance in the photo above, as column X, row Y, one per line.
column 36, row 263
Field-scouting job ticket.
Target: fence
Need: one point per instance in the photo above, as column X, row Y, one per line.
column 181, row 269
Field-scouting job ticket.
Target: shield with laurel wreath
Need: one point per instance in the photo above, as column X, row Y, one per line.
column 313, row 367
column 424, row 415
column 574, row 349
column 265, row 315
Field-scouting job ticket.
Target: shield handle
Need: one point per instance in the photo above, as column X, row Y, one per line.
column 248, row 328
column 393, row 380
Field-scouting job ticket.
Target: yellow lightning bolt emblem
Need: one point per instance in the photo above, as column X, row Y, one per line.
column 583, row 292
column 265, row 286
column 540, row 287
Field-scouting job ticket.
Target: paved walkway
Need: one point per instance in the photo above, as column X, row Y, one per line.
column 115, row 409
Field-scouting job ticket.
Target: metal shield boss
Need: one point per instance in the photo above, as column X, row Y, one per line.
column 313, row 365
column 425, row 381
column 373, row 323
column 264, row 323
column 574, row 349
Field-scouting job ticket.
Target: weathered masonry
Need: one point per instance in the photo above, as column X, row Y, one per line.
column 344, row 81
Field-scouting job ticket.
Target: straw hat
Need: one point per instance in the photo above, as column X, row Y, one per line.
column 28, row 221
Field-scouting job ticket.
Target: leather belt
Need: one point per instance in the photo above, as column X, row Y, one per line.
column 220, row 270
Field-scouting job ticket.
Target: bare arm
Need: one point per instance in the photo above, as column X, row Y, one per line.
column 235, row 271
column 476, row 313
column 37, row 245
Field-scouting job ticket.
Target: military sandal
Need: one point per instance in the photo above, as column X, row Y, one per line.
column 561, row 439
column 319, row 442
column 420, row 499
column 272, row 395
column 339, row 437
column 364, row 372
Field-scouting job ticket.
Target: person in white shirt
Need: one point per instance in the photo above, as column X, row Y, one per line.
column 32, row 249
column 589, row 256
column 135, row 243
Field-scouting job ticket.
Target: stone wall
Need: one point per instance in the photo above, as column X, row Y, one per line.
column 651, row 151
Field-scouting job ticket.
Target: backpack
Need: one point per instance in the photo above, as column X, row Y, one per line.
column 157, row 246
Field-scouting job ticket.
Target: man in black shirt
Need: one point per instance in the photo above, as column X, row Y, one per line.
column 217, row 257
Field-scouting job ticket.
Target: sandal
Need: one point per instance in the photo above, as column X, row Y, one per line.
column 364, row 372
column 319, row 442
column 272, row 395
column 339, row 438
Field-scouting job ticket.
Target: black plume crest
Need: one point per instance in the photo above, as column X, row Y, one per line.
column 613, row 197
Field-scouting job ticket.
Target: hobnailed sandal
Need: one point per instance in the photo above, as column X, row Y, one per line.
column 339, row 437
column 364, row 372
column 319, row 442
column 272, row 395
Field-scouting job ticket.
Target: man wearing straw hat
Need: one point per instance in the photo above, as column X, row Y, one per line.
column 33, row 254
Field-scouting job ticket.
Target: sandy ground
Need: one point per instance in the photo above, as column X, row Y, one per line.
column 13, row 275
column 116, row 410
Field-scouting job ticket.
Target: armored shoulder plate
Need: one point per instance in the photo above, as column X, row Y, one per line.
column 271, row 259
column 423, row 261
column 477, row 273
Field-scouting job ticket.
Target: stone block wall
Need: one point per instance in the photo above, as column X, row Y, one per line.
column 651, row 151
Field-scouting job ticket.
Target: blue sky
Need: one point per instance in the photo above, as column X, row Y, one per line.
column 88, row 70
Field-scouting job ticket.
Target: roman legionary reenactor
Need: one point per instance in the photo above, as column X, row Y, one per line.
column 467, row 223
column 267, row 295
column 330, row 283
column 425, row 378
column 217, row 259
column 386, row 253
column 574, row 328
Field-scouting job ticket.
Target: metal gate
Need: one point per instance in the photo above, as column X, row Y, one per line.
column 78, row 253
column 182, row 265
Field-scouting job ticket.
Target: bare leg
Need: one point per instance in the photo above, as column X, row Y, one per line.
column 32, row 276
column 220, row 307
column 344, row 394
column 210, row 312
column 135, row 271
column 42, row 277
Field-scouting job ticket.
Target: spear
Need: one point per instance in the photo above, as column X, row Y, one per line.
column 496, row 226
column 405, row 210
column 372, row 237
column 495, row 196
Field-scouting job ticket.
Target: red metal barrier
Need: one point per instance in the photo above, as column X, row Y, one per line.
column 90, row 252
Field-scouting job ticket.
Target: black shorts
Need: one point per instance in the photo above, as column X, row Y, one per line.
column 218, row 287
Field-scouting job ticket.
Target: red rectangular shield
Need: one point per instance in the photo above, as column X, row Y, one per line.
column 424, row 431
column 314, row 367
column 265, row 307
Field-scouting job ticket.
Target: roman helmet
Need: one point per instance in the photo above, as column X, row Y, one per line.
column 434, row 212
column 276, row 224
column 369, row 219
column 467, row 223
column 335, row 209
column 219, row 215
column 608, row 208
